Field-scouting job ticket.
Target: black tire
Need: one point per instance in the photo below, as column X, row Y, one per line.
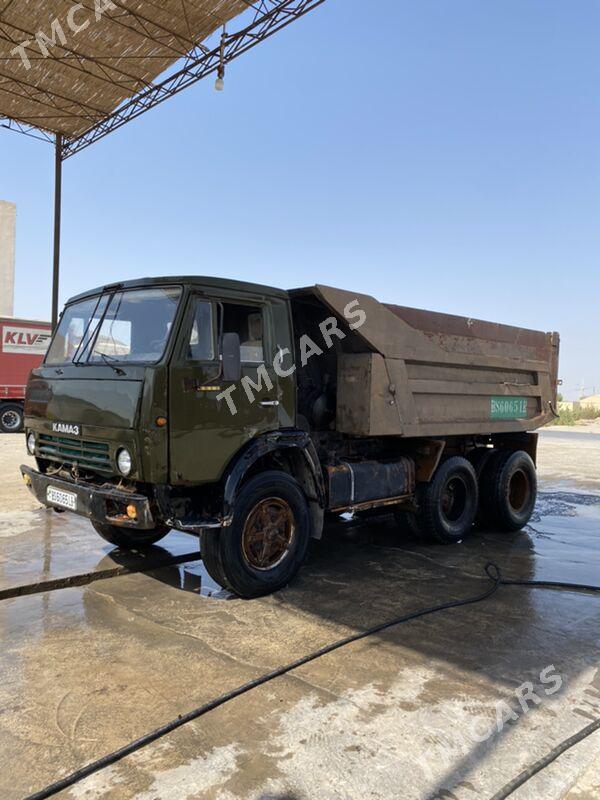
column 11, row 418
column 210, row 551
column 479, row 458
column 128, row 538
column 508, row 492
column 409, row 523
column 232, row 556
column 448, row 505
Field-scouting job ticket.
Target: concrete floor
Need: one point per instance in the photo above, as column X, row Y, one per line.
column 402, row 714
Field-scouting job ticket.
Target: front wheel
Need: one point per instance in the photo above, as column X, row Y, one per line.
column 127, row 538
column 266, row 543
column 11, row 418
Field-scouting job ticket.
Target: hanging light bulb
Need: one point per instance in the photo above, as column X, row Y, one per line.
column 220, row 82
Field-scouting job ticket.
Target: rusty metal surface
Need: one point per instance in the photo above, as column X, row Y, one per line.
column 368, row 483
column 268, row 534
column 429, row 374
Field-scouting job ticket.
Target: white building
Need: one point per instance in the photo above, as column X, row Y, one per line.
column 8, row 218
column 593, row 401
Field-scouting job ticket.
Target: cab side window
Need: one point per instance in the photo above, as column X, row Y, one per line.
column 201, row 342
column 247, row 322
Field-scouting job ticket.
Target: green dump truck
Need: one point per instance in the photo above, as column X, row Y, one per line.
column 246, row 414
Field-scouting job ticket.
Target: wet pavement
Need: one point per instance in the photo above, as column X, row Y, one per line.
column 570, row 458
column 45, row 551
column 406, row 713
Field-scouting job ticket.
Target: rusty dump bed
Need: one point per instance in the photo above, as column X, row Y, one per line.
column 428, row 374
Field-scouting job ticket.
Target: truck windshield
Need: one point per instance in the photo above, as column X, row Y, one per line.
column 116, row 327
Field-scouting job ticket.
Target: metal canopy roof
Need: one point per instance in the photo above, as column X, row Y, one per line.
column 78, row 69
column 73, row 71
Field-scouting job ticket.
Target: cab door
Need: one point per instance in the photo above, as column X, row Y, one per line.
column 205, row 433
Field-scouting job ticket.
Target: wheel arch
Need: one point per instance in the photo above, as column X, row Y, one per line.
column 290, row 451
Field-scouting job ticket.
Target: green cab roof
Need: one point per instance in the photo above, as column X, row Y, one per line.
column 201, row 282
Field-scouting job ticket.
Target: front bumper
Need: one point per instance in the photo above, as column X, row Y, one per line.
column 100, row 504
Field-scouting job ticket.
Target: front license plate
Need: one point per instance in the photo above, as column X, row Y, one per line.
column 60, row 498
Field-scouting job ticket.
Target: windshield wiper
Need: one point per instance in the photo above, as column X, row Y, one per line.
column 107, row 360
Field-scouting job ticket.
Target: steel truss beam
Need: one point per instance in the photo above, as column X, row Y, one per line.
column 26, row 129
column 270, row 17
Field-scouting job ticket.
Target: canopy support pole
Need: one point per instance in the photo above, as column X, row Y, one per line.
column 58, row 163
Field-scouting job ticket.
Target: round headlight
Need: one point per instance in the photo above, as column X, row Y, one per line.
column 124, row 462
column 31, row 444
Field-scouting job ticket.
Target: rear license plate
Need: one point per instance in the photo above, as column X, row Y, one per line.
column 58, row 497
column 508, row 408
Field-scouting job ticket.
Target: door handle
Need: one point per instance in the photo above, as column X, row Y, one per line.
column 269, row 403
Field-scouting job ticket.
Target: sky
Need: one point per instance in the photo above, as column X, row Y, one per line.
column 442, row 155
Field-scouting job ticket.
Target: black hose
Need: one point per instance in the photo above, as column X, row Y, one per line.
column 548, row 759
column 128, row 749
column 579, row 587
column 492, row 571
column 544, row 762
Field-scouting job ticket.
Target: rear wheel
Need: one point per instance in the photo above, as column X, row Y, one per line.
column 448, row 505
column 408, row 522
column 508, row 490
column 479, row 457
column 266, row 543
column 11, row 418
column 128, row 539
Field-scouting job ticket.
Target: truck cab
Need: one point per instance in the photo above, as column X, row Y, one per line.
column 130, row 419
column 244, row 414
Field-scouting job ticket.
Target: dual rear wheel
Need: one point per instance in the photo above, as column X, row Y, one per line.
column 266, row 543
column 496, row 488
column 508, row 491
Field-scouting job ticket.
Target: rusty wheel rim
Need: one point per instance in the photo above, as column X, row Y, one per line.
column 269, row 533
column 454, row 499
column 519, row 490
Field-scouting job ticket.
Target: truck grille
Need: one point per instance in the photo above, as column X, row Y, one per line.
column 92, row 455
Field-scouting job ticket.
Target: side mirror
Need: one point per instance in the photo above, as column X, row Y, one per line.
column 232, row 357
